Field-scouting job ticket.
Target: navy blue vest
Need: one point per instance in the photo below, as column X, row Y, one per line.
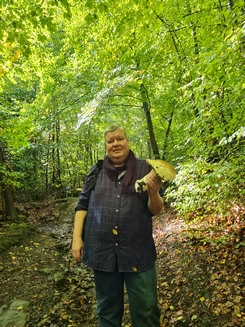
column 118, row 225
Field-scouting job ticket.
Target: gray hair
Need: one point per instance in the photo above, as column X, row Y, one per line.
column 113, row 128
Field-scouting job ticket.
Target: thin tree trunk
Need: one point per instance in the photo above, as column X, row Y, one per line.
column 7, row 193
column 53, row 158
column 230, row 4
column 179, row 49
column 146, row 107
column 170, row 120
column 58, row 170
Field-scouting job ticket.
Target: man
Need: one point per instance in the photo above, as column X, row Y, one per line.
column 118, row 243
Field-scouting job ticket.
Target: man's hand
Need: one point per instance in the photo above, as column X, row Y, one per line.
column 77, row 248
column 153, row 183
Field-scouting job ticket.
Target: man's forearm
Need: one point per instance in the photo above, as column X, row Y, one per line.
column 77, row 242
column 155, row 203
column 78, row 223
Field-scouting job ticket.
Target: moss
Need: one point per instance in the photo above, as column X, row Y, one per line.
column 15, row 234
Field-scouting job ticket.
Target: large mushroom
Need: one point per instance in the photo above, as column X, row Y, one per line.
column 160, row 170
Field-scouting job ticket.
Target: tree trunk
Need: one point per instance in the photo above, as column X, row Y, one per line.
column 170, row 120
column 146, row 107
column 7, row 192
column 56, row 169
column 230, row 4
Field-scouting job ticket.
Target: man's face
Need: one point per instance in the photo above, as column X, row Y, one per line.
column 117, row 146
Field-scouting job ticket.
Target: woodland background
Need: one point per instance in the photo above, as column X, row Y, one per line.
column 172, row 72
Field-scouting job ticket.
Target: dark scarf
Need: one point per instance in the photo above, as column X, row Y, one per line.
column 128, row 166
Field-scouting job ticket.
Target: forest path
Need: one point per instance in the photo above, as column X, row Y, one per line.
column 200, row 283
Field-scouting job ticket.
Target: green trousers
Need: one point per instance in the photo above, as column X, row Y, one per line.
column 142, row 296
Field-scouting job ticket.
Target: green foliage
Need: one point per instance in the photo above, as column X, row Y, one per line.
column 25, row 22
column 204, row 188
column 64, row 80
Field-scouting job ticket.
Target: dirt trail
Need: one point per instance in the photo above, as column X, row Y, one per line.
column 199, row 284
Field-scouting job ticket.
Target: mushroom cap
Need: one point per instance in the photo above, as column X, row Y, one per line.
column 164, row 170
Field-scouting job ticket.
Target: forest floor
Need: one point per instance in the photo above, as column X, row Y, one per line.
column 200, row 271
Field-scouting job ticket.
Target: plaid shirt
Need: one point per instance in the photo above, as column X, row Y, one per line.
column 118, row 225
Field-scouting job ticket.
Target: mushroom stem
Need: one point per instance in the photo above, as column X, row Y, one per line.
column 141, row 184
